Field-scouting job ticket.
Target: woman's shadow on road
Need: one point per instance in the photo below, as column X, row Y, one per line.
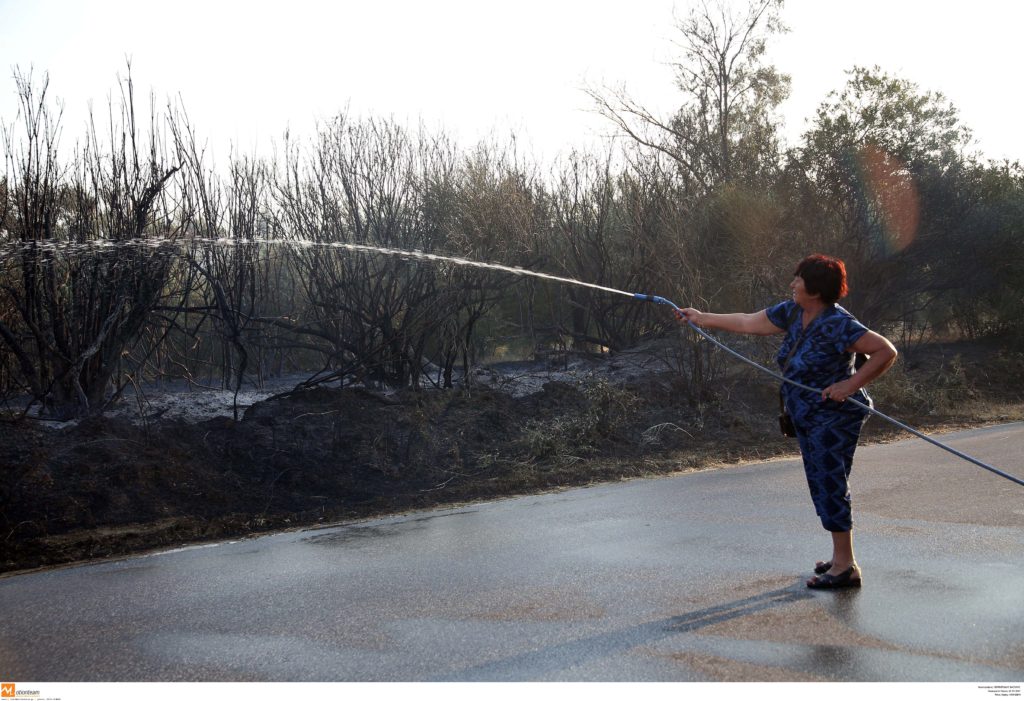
column 547, row 662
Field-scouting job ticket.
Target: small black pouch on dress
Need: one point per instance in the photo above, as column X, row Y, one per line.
column 786, row 421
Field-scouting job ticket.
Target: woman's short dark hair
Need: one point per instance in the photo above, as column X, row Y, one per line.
column 825, row 276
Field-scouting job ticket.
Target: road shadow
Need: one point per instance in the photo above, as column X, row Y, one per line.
column 540, row 663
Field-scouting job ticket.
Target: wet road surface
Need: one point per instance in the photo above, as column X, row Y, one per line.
column 695, row 577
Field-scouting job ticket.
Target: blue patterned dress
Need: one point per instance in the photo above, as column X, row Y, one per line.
column 827, row 431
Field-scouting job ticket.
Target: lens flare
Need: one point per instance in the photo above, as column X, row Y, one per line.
column 891, row 199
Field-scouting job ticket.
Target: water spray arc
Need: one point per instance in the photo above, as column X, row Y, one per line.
column 661, row 300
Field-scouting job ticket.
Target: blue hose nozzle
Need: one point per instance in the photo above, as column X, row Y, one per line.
column 655, row 299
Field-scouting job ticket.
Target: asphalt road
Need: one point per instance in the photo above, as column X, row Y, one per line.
column 691, row 577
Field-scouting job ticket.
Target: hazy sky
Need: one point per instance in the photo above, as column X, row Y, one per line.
column 246, row 70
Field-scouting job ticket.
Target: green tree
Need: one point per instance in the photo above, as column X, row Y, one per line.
column 989, row 255
column 873, row 178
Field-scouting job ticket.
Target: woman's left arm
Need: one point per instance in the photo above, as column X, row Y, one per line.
column 882, row 355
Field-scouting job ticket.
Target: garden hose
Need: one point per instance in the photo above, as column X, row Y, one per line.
column 661, row 300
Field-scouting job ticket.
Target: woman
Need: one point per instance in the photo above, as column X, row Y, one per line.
column 818, row 351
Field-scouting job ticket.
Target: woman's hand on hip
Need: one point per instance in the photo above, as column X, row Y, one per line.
column 839, row 391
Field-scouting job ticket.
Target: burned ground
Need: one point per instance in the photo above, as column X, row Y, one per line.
column 111, row 486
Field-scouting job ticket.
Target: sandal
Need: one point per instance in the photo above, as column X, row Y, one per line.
column 822, row 567
column 842, row 580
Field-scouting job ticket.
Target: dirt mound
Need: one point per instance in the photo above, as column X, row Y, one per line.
column 107, row 486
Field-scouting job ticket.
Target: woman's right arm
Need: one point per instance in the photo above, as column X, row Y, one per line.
column 756, row 323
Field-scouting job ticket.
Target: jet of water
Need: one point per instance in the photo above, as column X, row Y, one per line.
column 473, row 263
column 10, row 249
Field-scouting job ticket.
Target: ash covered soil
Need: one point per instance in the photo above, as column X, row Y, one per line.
column 116, row 484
